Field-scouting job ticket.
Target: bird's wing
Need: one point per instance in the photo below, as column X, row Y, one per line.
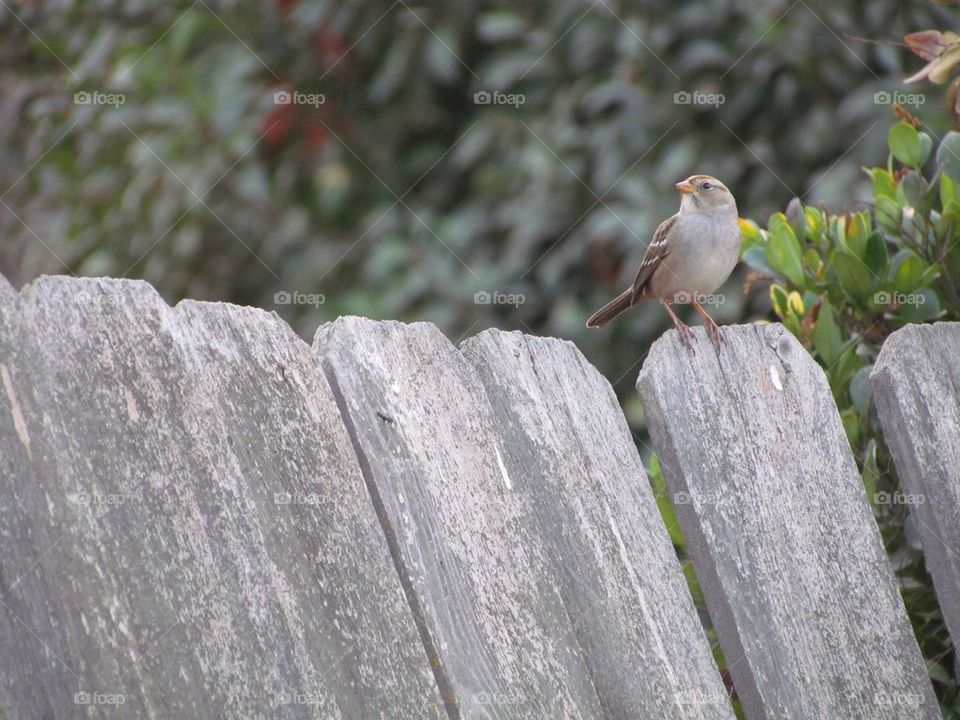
column 654, row 255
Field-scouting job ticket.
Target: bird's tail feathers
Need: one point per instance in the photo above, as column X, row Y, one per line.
column 613, row 308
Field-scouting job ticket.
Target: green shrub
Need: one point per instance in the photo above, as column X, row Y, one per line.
column 842, row 283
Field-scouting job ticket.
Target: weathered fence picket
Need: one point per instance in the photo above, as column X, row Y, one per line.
column 529, row 613
column 782, row 537
column 184, row 524
column 916, row 384
column 203, row 516
column 575, row 469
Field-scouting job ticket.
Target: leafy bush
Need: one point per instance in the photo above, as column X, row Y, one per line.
column 842, row 283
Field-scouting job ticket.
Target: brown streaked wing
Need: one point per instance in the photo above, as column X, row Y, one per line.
column 654, row 255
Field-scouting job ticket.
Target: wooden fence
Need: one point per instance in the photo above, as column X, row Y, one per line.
column 203, row 516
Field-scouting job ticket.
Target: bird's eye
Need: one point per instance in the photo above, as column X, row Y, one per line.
column 707, row 186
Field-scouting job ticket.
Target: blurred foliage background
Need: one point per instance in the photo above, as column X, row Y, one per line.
column 400, row 196
column 474, row 164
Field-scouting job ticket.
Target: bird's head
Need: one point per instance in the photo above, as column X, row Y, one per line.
column 702, row 193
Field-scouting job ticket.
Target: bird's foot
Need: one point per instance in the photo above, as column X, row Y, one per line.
column 716, row 335
column 686, row 336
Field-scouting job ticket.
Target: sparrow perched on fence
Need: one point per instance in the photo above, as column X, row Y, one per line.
column 690, row 256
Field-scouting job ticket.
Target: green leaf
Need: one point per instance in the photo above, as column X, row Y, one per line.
column 664, row 498
column 783, row 253
column 797, row 218
column 905, row 144
column 860, row 389
column 851, row 424
column 883, row 183
column 756, row 259
column 948, row 190
column 815, row 221
column 948, row 155
column 843, row 368
column 779, row 300
column 907, row 271
column 937, row 672
column 889, row 214
column 912, row 190
column 920, row 306
column 749, row 234
column 949, row 220
column 826, row 335
column 853, row 275
column 926, row 145
column 876, row 256
column 858, row 230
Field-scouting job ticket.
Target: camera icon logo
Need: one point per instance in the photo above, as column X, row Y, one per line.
column 882, row 97
column 81, row 698
column 282, row 298
column 482, row 298
column 681, row 498
column 482, row 97
column 282, row 97
column 882, row 298
column 282, row 498
column 81, row 98
column 682, row 98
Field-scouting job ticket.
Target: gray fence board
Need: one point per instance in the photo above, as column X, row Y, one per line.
column 474, row 570
column 916, row 384
column 578, row 477
column 504, row 614
column 205, row 517
column 782, row 537
column 146, row 552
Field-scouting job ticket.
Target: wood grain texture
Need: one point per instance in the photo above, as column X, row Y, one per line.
column 429, row 442
column 184, row 523
column 916, row 385
column 538, row 566
column 577, row 478
column 781, row 534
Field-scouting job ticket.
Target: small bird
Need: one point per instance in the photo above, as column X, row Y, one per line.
column 691, row 255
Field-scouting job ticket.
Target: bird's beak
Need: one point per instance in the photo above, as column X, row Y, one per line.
column 685, row 187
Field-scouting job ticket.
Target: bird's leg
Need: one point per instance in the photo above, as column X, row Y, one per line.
column 686, row 335
column 712, row 327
